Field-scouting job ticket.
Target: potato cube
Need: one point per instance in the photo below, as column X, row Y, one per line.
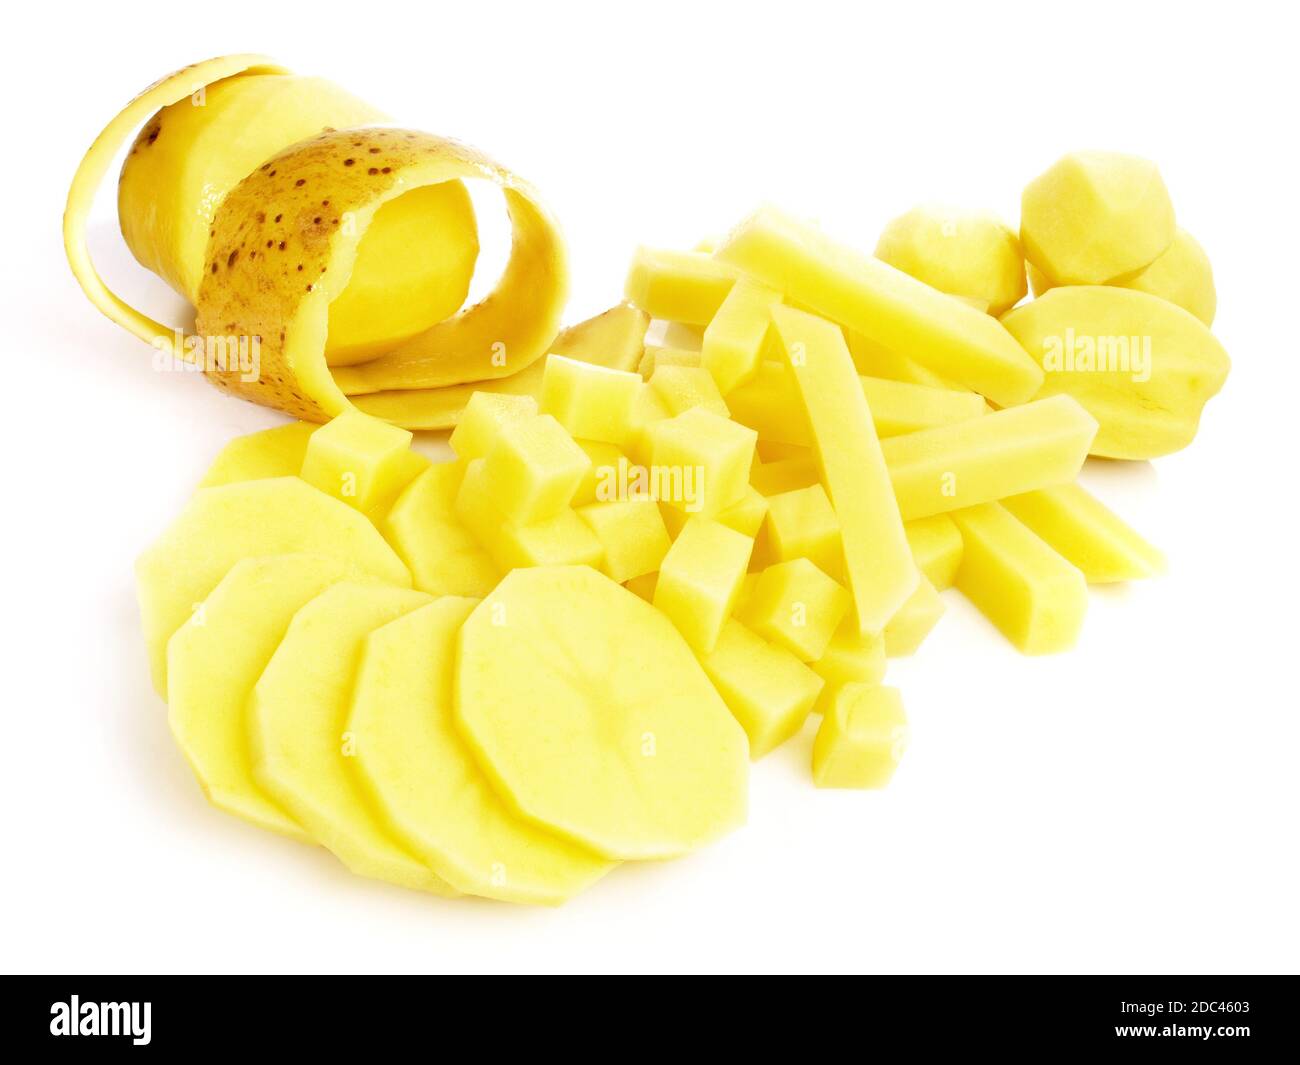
column 591, row 402
column 444, row 557
column 533, row 469
column 700, row 578
column 358, row 459
column 797, row 606
column 802, row 524
column 711, row 455
column 484, row 414
column 679, row 286
column 767, row 689
column 785, row 475
column 643, row 586
column 936, row 547
column 654, row 357
column 564, row 539
column 683, row 387
column 747, row 515
column 850, row 658
column 632, row 535
column 735, row 339
column 862, row 738
column 647, row 410
column 908, row 628
column 602, row 479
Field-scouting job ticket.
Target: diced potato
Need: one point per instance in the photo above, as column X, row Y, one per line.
column 712, row 455
column 602, row 477
column 862, row 738
column 850, row 658
column 970, row 254
column 936, row 547
column 1094, row 217
column 1143, row 367
column 795, row 605
column 802, row 524
column 784, row 475
column 424, row 781
column 297, row 724
column 274, row 452
column 533, row 469
column 561, row 540
column 643, row 587
column 1085, row 532
column 590, row 715
column 886, row 305
column 631, row 534
column 655, row 357
column 699, row 580
column 357, row 459
column 747, row 515
column 877, row 560
column 591, row 402
column 220, row 526
column 647, row 410
column 1032, row 594
column 680, row 286
column 444, row 557
column 735, row 339
column 769, row 691
column 986, row 459
column 908, row 628
column 215, row 658
column 680, row 388
column 481, row 422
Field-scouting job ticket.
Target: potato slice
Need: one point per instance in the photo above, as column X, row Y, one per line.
column 297, row 728
column 221, row 526
column 274, row 452
column 443, row 556
column 591, row 716
column 423, row 778
column 215, row 658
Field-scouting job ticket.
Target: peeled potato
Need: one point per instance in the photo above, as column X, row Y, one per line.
column 1095, row 217
column 423, row 778
column 221, row 526
column 216, row 657
column 592, row 718
column 970, row 254
column 297, row 722
column 349, row 244
column 1181, row 274
column 1143, row 367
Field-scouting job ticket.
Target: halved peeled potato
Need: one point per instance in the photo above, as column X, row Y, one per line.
column 423, row 777
column 593, row 719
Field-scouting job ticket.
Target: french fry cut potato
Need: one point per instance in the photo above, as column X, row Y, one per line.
column 297, row 726
column 425, row 781
column 986, row 459
column 592, row 718
column 220, row 526
column 1033, row 595
column 878, row 562
column 1087, row 533
column 886, row 305
column 215, row 658
column 936, row 547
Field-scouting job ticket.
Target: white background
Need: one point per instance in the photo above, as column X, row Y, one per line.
column 1130, row 806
